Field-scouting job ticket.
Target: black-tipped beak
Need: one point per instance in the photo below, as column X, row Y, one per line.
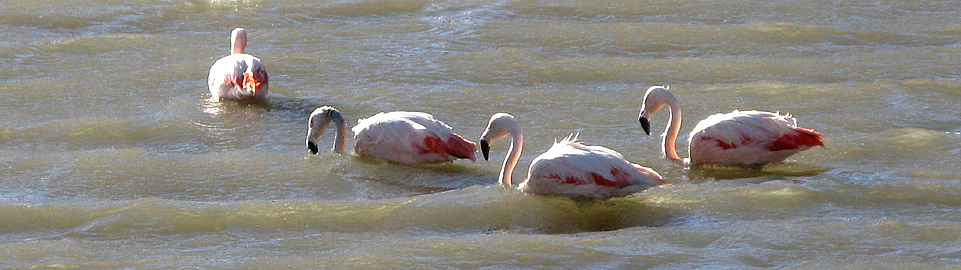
column 485, row 149
column 312, row 147
column 646, row 125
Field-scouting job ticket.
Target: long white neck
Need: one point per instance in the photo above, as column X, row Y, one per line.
column 670, row 133
column 238, row 41
column 340, row 138
column 517, row 145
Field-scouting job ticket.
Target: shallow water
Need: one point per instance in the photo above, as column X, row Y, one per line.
column 112, row 156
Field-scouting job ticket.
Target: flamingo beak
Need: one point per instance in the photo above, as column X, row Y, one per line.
column 312, row 148
column 485, row 149
column 645, row 124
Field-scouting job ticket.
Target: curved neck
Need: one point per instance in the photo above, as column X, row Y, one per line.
column 517, row 144
column 340, row 138
column 670, row 133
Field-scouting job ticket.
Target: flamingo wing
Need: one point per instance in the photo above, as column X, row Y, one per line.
column 749, row 137
column 238, row 77
column 256, row 78
column 573, row 169
column 410, row 138
column 225, row 74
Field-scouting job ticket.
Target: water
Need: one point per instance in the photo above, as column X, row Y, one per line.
column 112, row 156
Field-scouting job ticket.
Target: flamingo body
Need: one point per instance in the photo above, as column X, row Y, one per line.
column 569, row 168
column 575, row 170
column 410, row 138
column 738, row 137
column 749, row 137
column 238, row 76
column 400, row 137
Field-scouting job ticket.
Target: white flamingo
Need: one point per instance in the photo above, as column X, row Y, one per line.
column 569, row 168
column 749, row 137
column 238, row 76
column 401, row 137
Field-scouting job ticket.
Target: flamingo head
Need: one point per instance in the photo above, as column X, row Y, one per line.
column 500, row 125
column 654, row 99
column 318, row 122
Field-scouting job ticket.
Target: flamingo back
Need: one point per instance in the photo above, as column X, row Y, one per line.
column 409, row 138
column 749, row 137
column 575, row 170
column 238, row 77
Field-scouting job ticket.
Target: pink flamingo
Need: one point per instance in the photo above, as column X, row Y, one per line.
column 238, row 76
column 569, row 168
column 749, row 137
column 401, row 137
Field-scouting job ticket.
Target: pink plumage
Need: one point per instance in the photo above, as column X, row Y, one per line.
column 400, row 137
column 409, row 138
column 238, row 76
column 738, row 137
column 569, row 168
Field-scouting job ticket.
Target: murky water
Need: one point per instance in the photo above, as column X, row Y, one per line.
column 112, row 156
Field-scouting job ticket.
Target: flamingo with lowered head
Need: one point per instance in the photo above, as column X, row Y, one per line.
column 401, row 137
column 569, row 168
column 748, row 137
column 238, row 76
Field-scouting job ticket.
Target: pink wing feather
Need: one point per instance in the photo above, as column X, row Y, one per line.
column 573, row 169
column 749, row 137
column 410, row 138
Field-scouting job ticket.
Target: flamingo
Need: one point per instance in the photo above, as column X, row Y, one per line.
column 401, row 137
column 569, row 168
column 739, row 137
column 238, row 76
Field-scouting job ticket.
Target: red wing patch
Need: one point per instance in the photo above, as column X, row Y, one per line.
column 572, row 181
column 459, row 147
column 250, row 81
column 255, row 79
column 455, row 146
column 803, row 137
column 432, row 144
column 721, row 144
column 601, row 181
column 621, row 179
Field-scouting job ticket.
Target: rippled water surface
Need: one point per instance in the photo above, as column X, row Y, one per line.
column 112, row 156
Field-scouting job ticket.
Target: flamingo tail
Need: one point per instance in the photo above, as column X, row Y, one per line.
column 455, row 146
column 255, row 79
column 658, row 181
column 803, row 138
column 459, row 147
